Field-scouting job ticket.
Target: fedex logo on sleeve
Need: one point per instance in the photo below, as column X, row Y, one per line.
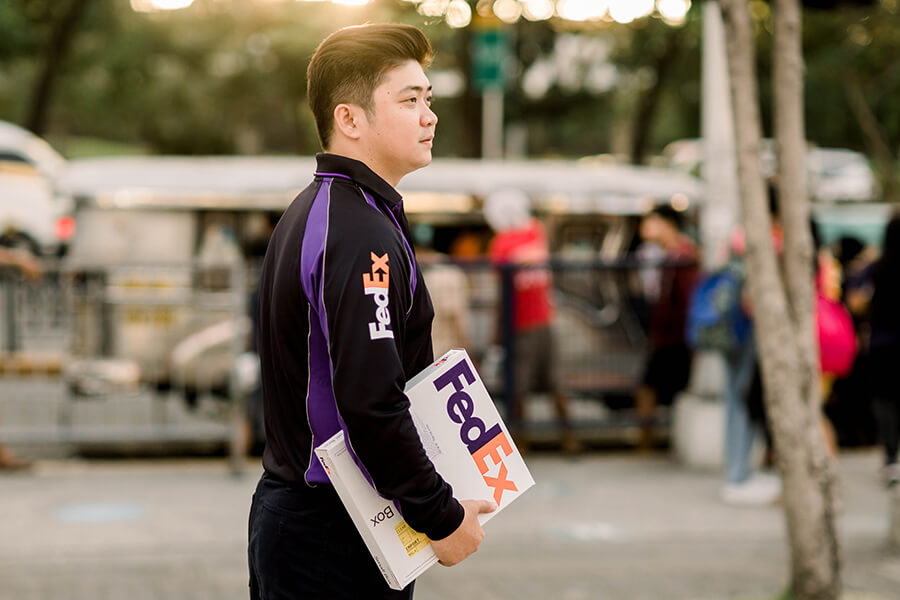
column 482, row 442
column 376, row 284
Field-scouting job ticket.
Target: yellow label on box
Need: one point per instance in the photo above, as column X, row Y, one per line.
column 411, row 539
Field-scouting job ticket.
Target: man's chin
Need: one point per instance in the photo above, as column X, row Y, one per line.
column 424, row 161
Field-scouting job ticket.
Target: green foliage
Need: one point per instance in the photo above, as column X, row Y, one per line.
column 216, row 78
column 225, row 77
column 862, row 42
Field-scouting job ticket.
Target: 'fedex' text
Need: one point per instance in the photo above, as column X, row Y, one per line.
column 375, row 284
column 481, row 441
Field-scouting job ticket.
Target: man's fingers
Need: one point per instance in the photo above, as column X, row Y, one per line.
column 486, row 506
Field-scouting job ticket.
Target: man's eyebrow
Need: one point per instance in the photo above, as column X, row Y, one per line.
column 415, row 88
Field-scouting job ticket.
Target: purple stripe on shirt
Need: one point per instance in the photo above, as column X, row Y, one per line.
column 321, row 410
column 321, row 407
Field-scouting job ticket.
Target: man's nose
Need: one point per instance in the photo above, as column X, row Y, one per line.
column 429, row 117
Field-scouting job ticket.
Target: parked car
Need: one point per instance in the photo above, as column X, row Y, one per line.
column 834, row 174
column 34, row 212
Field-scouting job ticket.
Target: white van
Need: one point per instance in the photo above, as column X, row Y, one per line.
column 34, row 213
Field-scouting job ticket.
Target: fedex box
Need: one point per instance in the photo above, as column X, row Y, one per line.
column 464, row 437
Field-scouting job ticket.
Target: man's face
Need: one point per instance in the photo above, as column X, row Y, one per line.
column 398, row 134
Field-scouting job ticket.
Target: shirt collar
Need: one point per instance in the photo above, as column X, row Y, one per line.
column 342, row 166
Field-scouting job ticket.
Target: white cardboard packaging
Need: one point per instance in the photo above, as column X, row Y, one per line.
column 464, row 437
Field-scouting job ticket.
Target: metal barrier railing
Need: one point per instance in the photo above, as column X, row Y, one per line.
column 136, row 354
column 600, row 326
column 124, row 356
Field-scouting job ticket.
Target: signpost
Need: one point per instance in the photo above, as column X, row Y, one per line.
column 490, row 55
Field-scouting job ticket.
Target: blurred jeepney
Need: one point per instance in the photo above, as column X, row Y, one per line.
column 159, row 265
column 591, row 209
column 162, row 244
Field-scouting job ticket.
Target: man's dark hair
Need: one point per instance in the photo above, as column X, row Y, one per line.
column 667, row 213
column 350, row 63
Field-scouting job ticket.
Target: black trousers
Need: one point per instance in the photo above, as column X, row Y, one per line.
column 303, row 545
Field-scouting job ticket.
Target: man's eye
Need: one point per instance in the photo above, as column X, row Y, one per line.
column 428, row 100
column 412, row 100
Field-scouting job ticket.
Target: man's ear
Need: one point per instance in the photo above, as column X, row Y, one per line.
column 347, row 120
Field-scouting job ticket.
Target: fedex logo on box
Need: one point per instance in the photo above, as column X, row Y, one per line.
column 482, row 441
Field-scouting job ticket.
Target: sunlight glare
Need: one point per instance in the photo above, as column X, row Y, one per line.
column 582, row 10
column 624, row 11
column 151, row 5
column 459, row 14
column 673, row 12
column 508, row 11
column 538, row 10
column 434, row 8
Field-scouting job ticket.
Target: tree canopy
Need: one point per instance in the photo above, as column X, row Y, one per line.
column 229, row 77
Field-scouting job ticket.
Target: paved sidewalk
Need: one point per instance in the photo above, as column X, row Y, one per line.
column 604, row 526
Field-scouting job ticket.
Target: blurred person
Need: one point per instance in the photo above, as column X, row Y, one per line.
column 344, row 318
column 468, row 244
column 745, row 416
column 884, row 347
column 835, row 329
column 745, row 403
column 850, row 405
column 520, row 240
column 30, row 267
column 856, row 268
column 22, row 261
column 448, row 287
column 668, row 366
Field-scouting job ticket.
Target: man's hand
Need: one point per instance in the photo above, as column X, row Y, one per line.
column 454, row 548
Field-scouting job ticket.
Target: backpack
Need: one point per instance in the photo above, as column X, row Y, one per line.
column 715, row 317
column 837, row 337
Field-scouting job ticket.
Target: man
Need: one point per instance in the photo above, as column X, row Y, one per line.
column 669, row 365
column 345, row 319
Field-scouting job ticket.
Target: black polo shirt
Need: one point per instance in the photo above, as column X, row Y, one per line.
column 344, row 321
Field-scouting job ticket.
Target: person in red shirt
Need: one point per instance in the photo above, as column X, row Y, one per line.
column 521, row 240
column 669, row 364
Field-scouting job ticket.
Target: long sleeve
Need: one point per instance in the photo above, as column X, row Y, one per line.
column 367, row 296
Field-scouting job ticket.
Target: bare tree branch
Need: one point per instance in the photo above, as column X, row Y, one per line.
column 873, row 134
column 57, row 48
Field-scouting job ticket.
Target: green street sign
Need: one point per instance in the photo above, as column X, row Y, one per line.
column 489, row 51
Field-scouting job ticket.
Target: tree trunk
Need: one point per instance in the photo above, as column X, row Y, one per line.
column 57, row 46
column 808, row 472
column 782, row 306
